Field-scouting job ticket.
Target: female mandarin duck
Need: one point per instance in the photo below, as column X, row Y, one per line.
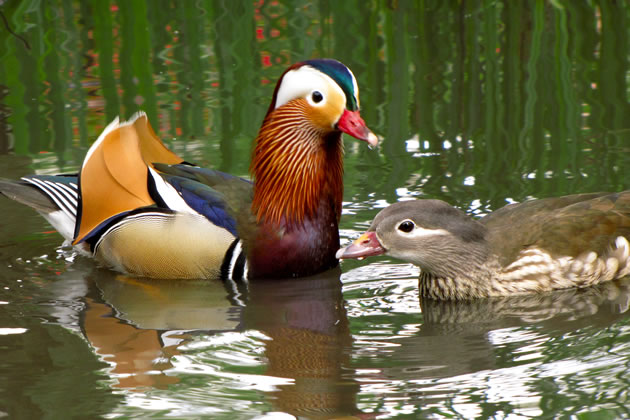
column 534, row 246
column 138, row 208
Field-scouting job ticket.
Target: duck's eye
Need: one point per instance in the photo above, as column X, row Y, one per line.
column 317, row 96
column 406, row 226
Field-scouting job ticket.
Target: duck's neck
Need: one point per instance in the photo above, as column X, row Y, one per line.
column 298, row 191
column 294, row 166
column 464, row 275
column 472, row 270
column 459, row 287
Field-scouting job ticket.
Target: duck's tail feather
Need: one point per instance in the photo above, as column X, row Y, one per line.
column 27, row 194
column 54, row 197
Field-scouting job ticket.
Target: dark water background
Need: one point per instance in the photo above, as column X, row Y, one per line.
column 479, row 103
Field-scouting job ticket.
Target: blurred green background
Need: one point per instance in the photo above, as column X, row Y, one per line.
column 473, row 99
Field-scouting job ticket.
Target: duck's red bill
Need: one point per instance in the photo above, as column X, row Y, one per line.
column 367, row 245
column 352, row 123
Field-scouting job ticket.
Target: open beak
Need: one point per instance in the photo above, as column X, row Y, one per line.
column 352, row 123
column 366, row 245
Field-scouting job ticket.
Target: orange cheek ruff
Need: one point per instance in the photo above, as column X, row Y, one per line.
column 295, row 164
column 324, row 118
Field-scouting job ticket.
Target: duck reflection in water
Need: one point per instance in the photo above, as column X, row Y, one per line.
column 138, row 325
column 463, row 337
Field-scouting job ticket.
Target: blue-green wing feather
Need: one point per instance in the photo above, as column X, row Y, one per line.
column 220, row 197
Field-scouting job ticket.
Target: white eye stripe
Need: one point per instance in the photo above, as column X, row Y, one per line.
column 302, row 82
column 420, row 232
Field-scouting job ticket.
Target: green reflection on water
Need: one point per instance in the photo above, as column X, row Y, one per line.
column 523, row 92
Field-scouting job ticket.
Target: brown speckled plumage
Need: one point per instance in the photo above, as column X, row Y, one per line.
column 535, row 246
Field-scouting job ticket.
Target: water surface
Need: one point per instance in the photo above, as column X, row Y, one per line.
column 479, row 103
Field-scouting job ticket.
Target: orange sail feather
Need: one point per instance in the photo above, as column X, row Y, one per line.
column 113, row 178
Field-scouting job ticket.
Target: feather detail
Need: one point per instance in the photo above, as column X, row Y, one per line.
column 295, row 165
column 113, row 178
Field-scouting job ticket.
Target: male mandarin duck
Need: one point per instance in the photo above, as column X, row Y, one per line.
column 140, row 209
column 535, row 246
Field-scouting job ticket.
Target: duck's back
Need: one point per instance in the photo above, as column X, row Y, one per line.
column 571, row 226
